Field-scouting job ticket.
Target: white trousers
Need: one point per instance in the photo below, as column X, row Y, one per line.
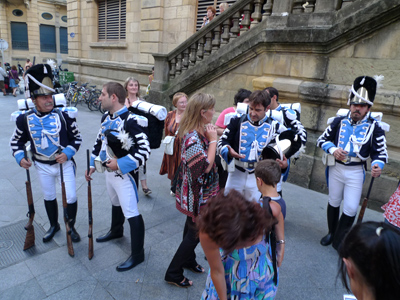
column 244, row 183
column 345, row 183
column 122, row 191
column 49, row 173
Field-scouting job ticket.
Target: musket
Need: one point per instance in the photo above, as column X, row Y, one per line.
column 66, row 219
column 365, row 201
column 90, row 233
column 30, row 231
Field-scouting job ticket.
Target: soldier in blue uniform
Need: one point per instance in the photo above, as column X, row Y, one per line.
column 351, row 139
column 49, row 130
column 290, row 118
column 244, row 139
column 122, row 146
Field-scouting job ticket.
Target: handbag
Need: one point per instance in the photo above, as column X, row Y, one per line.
column 169, row 144
column 16, row 81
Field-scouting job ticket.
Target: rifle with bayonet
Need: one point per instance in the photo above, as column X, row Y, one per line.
column 365, row 202
column 30, row 230
column 90, row 233
column 66, row 219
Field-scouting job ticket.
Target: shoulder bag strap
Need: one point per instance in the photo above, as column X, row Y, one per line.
column 272, row 239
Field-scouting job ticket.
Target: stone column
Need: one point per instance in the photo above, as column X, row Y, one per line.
column 74, row 26
column 33, row 31
column 57, row 25
column 4, row 30
column 161, row 79
column 151, row 29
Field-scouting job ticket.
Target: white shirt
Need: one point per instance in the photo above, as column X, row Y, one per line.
column 2, row 74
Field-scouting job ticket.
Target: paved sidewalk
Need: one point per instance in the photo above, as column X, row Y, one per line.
column 47, row 272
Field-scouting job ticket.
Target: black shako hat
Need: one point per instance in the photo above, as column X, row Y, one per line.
column 39, row 81
column 363, row 90
column 118, row 143
column 287, row 143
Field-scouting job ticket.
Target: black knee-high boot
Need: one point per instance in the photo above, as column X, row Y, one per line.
column 71, row 211
column 344, row 226
column 117, row 225
column 333, row 218
column 137, row 243
column 52, row 213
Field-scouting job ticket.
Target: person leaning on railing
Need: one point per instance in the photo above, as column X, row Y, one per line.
column 211, row 12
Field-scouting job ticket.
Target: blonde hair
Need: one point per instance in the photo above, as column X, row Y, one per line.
column 224, row 6
column 126, row 85
column 192, row 118
column 178, row 96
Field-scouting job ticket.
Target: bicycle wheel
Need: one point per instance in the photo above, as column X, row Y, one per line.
column 93, row 103
column 74, row 100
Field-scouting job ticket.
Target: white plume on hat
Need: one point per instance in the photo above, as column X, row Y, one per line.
column 52, row 63
column 125, row 140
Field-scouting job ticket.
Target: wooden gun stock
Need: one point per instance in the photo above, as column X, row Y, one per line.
column 30, row 230
column 90, row 233
column 66, row 219
column 365, row 202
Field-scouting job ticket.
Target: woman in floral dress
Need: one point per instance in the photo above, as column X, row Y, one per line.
column 234, row 237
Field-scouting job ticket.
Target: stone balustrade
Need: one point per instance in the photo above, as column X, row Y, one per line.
column 240, row 18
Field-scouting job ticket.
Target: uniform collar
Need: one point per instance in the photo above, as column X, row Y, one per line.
column 358, row 122
column 42, row 114
column 119, row 112
column 258, row 123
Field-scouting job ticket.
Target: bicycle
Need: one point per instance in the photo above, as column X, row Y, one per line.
column 93, row 101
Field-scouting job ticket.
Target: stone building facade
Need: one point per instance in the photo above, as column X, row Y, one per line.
column 34, row 29
column 152, row 26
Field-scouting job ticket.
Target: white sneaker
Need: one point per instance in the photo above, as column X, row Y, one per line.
column 172, row 193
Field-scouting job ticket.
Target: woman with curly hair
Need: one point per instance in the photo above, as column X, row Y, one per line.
column 234, row 234
column 369, row 257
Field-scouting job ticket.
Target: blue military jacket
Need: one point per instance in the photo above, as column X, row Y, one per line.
column 248, row 138
column 46, row 132
column 363, row 139
column 136, row 127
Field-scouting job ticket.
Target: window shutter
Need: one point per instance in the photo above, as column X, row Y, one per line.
column 64, row 40
column 19, row 36
column 112, row 20
column 48, row 38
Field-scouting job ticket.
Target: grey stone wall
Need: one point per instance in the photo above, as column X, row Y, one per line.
column 312, row 59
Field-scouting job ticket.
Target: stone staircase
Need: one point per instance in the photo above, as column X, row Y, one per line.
column 311, row 51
